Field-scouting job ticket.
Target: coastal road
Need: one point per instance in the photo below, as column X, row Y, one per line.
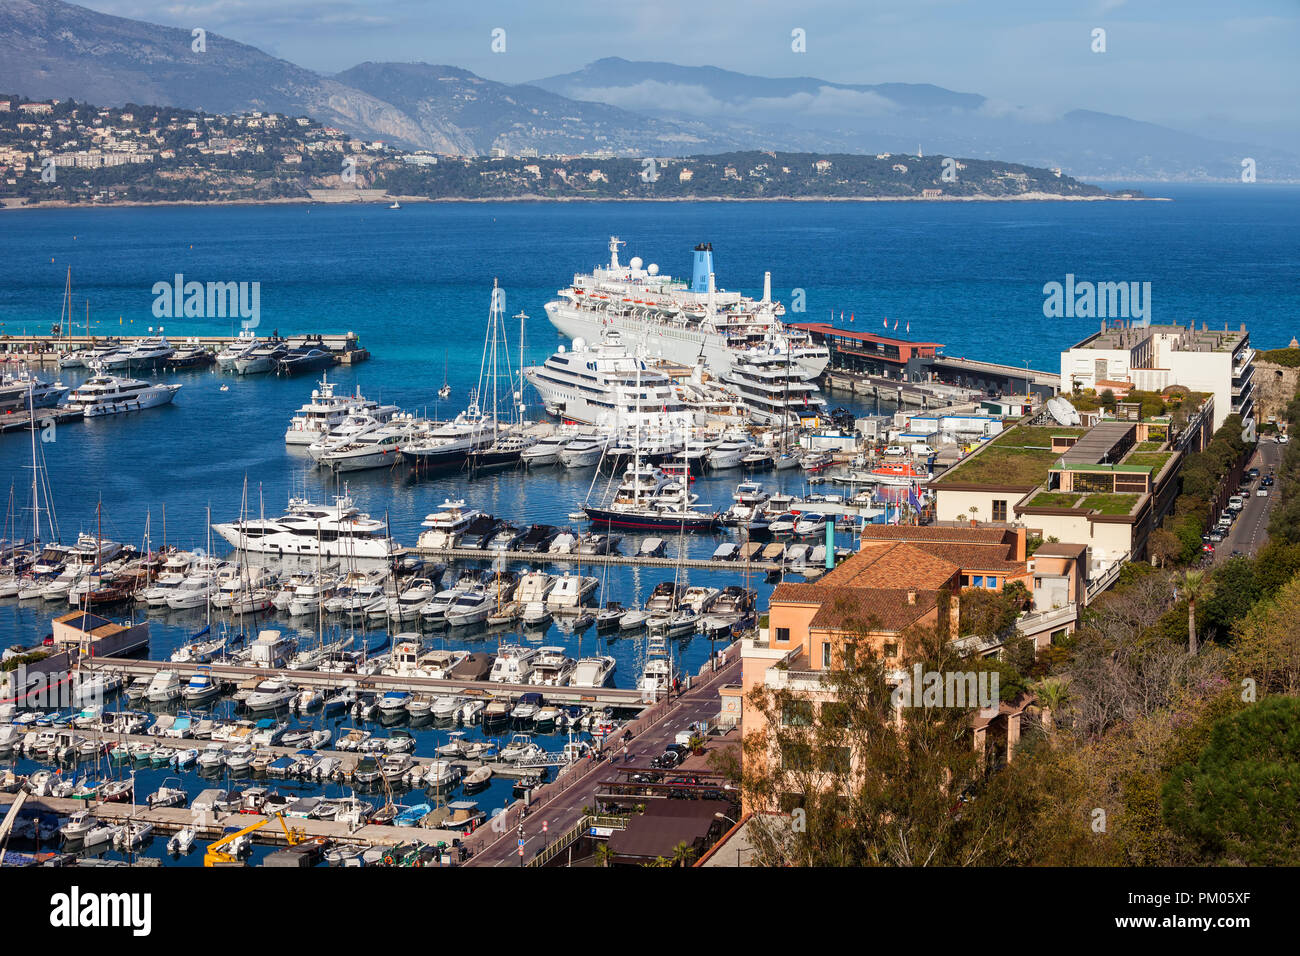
column 562, row 811
column 1250, row 531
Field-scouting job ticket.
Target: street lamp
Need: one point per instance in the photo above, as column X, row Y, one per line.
column 722, row 816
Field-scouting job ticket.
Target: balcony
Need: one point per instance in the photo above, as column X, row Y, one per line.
column 780, row 678
column 1038, row 621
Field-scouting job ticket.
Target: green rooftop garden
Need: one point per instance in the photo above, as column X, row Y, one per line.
column 1110, row 504
column 1156, row 460
column 1104, row 503
column 1056, row 499
column 1019, row 456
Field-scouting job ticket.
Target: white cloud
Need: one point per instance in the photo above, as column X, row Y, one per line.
column 695, row 100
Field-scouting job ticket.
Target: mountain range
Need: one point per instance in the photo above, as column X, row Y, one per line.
column 49, row 48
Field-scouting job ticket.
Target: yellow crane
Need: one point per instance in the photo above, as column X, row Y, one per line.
column 216, row 856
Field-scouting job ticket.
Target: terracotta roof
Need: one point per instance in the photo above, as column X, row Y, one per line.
column 884, row 609
column 975, row 558
column 892, row 565
column 901, row 532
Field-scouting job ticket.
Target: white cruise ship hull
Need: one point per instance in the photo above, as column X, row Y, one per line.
column 681, row 345
column 284, row 542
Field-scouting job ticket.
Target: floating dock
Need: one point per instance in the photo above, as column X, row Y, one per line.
column 379, row 683
column 212, row 826
column 590, row 560
column 46, row 349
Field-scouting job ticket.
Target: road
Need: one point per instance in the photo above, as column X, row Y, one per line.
column 1250, row 531
column 562, row 810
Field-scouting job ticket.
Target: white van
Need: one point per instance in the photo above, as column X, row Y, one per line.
column 1236, row 503
column 922, row 450
column 895, row 450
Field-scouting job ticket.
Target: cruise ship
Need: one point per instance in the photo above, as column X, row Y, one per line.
column 606, row 385
column 772, row 389
column 685, row 322
column 336, row 531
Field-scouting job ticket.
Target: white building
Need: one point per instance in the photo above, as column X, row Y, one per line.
column 1153, row 357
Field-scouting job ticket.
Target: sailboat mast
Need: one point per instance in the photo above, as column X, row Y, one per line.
column 36, row 497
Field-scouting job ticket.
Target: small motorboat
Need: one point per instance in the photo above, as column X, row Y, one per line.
column 478, row 780
column 168, row 796
column 134, row 834
column 181, row 842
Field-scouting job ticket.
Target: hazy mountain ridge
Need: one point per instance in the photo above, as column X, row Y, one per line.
column 49, row 48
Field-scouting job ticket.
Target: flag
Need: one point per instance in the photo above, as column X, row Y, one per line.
column 912, row 498
column 850, row 318
column 895, row 325
column 909, row 326
column 884, row 323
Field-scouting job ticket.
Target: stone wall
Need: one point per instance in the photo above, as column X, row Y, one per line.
column 1275, row 386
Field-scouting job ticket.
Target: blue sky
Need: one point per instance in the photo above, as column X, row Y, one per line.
column 1225, row 70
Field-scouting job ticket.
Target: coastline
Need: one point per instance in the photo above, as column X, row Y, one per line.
column 342, row 200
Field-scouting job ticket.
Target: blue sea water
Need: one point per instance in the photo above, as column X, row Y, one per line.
column 415, row 284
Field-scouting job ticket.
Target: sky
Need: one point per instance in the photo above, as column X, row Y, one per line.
column 1224, row 70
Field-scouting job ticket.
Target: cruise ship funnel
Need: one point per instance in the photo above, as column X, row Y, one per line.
column 703, row 267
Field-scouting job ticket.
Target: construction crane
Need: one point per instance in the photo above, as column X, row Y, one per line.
column 216, row 856
column 8, row 823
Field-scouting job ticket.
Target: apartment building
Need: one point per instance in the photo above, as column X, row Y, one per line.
column 1153, row 357
column 905, row 578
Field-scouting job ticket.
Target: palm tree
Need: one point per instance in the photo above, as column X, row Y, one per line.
column 1053, row 693
column 1196, row 585
column 603, row 854
column 682, row 853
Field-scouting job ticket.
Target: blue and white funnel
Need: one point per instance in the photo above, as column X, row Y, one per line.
column 703, row 266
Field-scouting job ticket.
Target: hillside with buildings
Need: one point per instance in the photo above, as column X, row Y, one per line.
column 70, row 152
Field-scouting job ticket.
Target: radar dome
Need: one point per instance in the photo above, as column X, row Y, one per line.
column 653, row 269
column 579, row 344
column 636, row 262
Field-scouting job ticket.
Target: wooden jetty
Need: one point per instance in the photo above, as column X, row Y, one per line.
column 212, row 826
column 590, row 560
column 378, row 683
column 46, row 348
column 22, row 420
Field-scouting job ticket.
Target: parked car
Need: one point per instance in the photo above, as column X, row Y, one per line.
column 1216, row 535
column 1261, row 493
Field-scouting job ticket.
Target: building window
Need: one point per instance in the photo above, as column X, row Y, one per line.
column 835, row 760
column 993, row 583
column 834, row 714
column 977, row 580
column 999, row 511
column 890, row 649
column 826, row 654
column 796, row 756
column 783, row 634
column 797, row 713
